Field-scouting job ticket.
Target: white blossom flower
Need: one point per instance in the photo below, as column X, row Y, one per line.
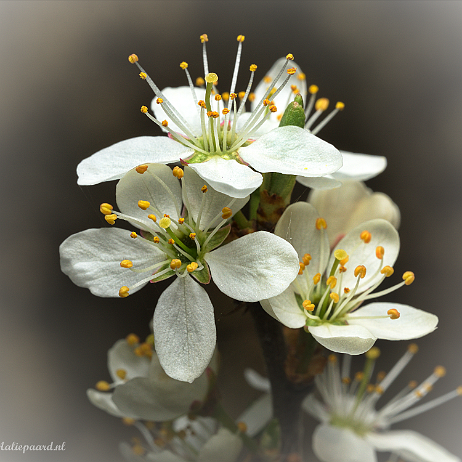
column 351, row 204
column 353, row 429
column 249, row 269
column 218, row 142
column 329, row 306
column 141, row 390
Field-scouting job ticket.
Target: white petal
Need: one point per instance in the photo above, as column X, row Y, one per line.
column 184, row 329
column 383, row 234
column 333, row 444
column 353, row 340
column 215, row 201
column 293, row 151
column 411, row 446
column 254, row 267
column 360, row 167
column 92, row 259
column 285, row 309
column 257, row 415
column 319, row 183
column 228, row 176
column 135, row 186
column 257, row 381
column 315, row 408
column 113, row 162
column 224, row 446
column 104, row 401
column 122, row 356
column 412, row 323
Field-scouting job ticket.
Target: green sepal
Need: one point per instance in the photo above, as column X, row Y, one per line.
column 202, row 276
column 294, row 114
column 216, row 240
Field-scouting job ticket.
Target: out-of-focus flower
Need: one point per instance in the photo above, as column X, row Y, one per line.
column 353, row 429
column 249, row 269
column 328, row 291
column 351, row 204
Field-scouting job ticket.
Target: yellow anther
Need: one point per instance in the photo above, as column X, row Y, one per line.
column 192, row 236
column 123, row 292
column 340, row 254
column 412, row 384
column 204, row 188
column 225, row 111
column 159, row 101
column 321, row 223
column 341, row 269
column 413, row 348
column 344, row 261
column 459, row 390
column 105, row 208
column 440, row 371
column 192, row 267
column 209, row 113
column 164, row 123
column 240, row 38
column 184, row 65
column 253, row 67
column 211, row 77
column 143, row 205
column 121, row 373
column 175, row 264
column 128, row 421
column 267, row 79
column 242, row 427
column 144, row 109
column 133, row 235
column 279, row 117
column 306, row 259
column 359, row 376
column 334, row 296
column 408, row 277
column 171, row 241
column 102, row 385
column 215, row 114
column 373, row 353
column 251, row 97
column 379, row 252
column 266, row 102
column 226, row 213
column 360, row 271
column 132, row 339
column 294, row 88
column 366, row 236
column 126, row 264
column 156, row 239
column 313, row 89
column 316, row 278
column 321, row 104
column 202, row 104
column 346, row 290
column 200, row 81
column 225, row 96
column 204, row 38
column 143, row 75
column 152, row 217
column 331, row 281
column 332, row 358
column 273, row 108
column 290, row 57
column 180, row 221
column 308, row 305
column 133, row 58
column 301, row 76
column 178, row 172
column 111, row 218
column 393, row 313
column 291, row 70
column 340, row 106
column 165, row 222
column 241, row 94
column 141, row 168
column 217, row 97
column 387, row 271
column 302, row 268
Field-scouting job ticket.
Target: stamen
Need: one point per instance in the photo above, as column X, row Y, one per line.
column 106, row 209
column 143, row 205
column 307, row 305
column 360, row 271
column 366, row 236
column 132, row 339
column 111, row 218
column 175, row 264
column 379, row 252
column 205, row 39
column 126, row 264
column 123, row 292
column 133, row 235
column 141, row 168
column 102, row 385
column 393, row 313
column 408, row 277
column 192, row 267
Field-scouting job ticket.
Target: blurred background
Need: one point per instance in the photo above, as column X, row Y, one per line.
column 67, row 90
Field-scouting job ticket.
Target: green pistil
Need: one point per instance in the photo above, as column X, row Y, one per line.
column 180, row 243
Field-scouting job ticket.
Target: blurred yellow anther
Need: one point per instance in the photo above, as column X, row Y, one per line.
column 393, row 313
column 346, row 290
column 175, row 263
column 331, row 281
column 379, row 390
column 334, row 296
column 141, row 168
column 313, row 89
column 373, row 353
column 293, row 87
column 279, row 117
column 225, row 96
column 440, row 371
column 121, row 373
column 306, row 259
column 321, row 223
column 102, row 385
column 290, row 57
column 340, row 106
column 164, row 123
column 387, row 271
column 143, row 75
column 133, row 58
column 341, row 269
column 459, row 390
column 144, row 109
column 200, row 81
column 412, row 384
column 211, row 77
column 240, row 38
column 273, row 108
column 419, row 394
column 340, row 254
column 291, row 71
column 180, row 221
column 413, row 348
column 126, row 264
column 138, row 450
column 316, row 278
column 366, row 236
column 133, row 235
column 308, row 305
column 242, row 427
column 346, row 380
column 332, row 358
column 105, row 208
column 302, row 268
column 128, row 421
column 233, row 96
column 226, row 213
column 152, row 217
column 165, row 222
column 178, row 172
column 381, row 375
column 123, row 292
column 301, row 76
column 321, row 104
column 171, row 241
column 192, row 267
column 184, row 65
column 111, row 218
column 359, row 376
column 156, row 239
column 143, row 205
column 204, row 38
column 379, row 252
column 132, row 339
column 408, row 277
column 241, row 94
column 192, row 236
column 427, row 387
column 159, row 101
column 253, row 67
column 225, row 111
column 360, row 271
